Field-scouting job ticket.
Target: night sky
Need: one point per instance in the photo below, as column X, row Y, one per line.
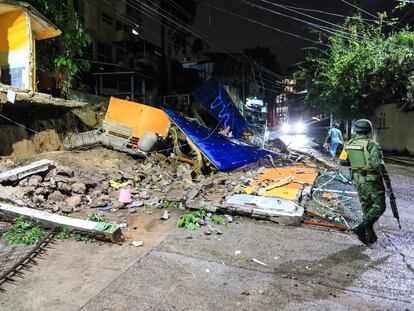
column 234, row 34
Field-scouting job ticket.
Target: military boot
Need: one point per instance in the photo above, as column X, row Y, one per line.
column 371, row 235
column 361, row 231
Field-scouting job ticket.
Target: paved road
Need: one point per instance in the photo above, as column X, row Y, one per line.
column 305, row 269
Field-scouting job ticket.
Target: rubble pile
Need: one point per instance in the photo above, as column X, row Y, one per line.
column 152, row 181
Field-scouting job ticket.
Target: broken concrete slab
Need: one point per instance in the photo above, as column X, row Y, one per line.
column 165, row 215
column 25, row 171
column 276, row 209
column 109, row 231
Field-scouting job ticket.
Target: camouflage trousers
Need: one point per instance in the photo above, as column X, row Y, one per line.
column 371, row 193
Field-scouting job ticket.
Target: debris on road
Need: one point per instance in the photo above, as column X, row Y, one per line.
column 165, row 215
column 185, row 166
column 259, row 262
column 25, row 171
column 137, row 243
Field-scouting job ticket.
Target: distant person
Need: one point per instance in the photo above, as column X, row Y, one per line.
column 335, row 135
column 368, row 175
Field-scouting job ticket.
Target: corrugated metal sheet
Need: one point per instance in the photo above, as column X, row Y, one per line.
column 223, row 153
column 212, row 96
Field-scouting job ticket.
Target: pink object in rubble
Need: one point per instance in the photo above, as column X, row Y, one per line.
column 125, row 196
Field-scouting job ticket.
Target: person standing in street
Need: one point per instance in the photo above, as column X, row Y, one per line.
column 335, row 135
column 368, row 174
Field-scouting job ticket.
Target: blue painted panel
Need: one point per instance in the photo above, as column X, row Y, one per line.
column 222, row 152
column 212, row 96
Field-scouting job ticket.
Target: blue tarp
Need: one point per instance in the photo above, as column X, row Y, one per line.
column 222, row 152
column 212, row 96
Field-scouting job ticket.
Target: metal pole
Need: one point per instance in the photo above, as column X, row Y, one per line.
column 100, row 84
column 132, row 87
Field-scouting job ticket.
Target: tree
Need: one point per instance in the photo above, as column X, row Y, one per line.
column 362, row 68
column 62, row 55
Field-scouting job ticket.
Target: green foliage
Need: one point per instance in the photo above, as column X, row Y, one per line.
column 82, row 238
column 63, row 234
column 243, row 258
column 23, row 232
column 174, row 204
column 219, row 220
column 64, row 52
column 362, row 69
column 189, row 221
column 96, row 217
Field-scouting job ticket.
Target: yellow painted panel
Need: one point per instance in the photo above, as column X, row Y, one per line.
column 300, row 175
column 47, row 34
column 282, row 192
column 139, row 117
column 13, row 31
column 34, row 76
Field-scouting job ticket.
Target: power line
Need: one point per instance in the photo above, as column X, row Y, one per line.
column 359, row 9
column 303, row 14
column 199, row 36
column 325, row 12
column 264, row 25
column 317, row 26
column 245, row 56
column 151, row 15
column 345, row 35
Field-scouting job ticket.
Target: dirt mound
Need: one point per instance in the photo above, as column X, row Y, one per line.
column 40, row 142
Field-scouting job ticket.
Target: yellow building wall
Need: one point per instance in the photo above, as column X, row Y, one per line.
column 13, row 31
column 14, row 49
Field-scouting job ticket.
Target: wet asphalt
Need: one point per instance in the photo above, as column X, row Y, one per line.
column 301, row 268
column 253, row 265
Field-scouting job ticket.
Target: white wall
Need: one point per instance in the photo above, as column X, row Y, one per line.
column 394, row 128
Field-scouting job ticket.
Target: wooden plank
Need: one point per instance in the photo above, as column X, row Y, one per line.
column 102, row 229
column 27, row 170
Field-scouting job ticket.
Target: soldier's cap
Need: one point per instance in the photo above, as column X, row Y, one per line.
column 363, row 126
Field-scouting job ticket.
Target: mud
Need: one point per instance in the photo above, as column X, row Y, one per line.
column 35, row 129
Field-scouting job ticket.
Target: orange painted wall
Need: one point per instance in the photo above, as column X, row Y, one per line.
column 139, row 117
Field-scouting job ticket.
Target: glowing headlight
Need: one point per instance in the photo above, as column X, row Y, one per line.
column 299, row 127
column 285, row 127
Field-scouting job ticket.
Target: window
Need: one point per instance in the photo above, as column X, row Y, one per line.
column 104, row 52
column 107, row 19
column 13, row 77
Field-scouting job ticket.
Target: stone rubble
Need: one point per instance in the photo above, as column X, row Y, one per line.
column 67, row 189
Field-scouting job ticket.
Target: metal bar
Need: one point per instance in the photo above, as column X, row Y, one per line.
column 8, row 274
column 132, row 87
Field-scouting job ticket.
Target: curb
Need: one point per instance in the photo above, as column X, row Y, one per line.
column 399, row 161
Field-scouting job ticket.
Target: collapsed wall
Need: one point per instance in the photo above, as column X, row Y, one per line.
column 26, row 130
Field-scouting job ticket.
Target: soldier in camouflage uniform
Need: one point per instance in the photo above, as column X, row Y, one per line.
column 368, row 174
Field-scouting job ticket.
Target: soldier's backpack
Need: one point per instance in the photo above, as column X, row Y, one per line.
column 358, row 154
